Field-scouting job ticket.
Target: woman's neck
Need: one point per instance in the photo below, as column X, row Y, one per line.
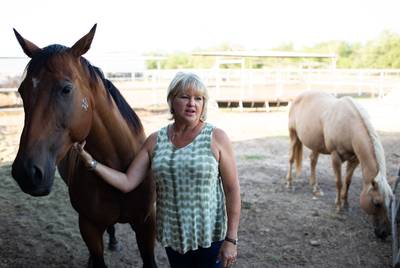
column 182, row 127
column 182, row 134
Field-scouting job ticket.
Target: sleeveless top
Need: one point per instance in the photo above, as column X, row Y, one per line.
column 190, row 207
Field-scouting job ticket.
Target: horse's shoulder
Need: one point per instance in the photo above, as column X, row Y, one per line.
column 350, row 107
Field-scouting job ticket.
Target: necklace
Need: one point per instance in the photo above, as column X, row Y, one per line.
column 174, row 134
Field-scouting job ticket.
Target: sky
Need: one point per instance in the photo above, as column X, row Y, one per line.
column 176, row 25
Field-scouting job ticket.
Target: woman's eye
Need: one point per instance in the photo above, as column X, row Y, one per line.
column 198, row 98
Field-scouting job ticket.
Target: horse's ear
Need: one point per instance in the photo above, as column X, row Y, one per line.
column 83, row 45
column 28, row 47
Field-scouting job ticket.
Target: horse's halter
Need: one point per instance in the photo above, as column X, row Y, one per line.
column 85, row 104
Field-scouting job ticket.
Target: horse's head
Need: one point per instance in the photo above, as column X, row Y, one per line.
column 58, row 110
column 375, row 200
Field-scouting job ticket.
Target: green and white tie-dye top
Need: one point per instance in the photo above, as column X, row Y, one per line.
column 191, row 209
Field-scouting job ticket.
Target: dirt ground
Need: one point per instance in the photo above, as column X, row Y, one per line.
column 278, row 228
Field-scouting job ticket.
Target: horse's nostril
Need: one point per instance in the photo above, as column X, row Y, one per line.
column 37, row 174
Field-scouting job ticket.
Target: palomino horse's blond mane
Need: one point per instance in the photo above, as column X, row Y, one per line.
column 380, row 177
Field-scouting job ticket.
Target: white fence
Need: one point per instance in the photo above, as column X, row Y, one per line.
column 271, row 85
column 258, row 85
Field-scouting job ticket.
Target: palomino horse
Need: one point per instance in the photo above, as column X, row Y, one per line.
column 67, row 100
column 341, row 128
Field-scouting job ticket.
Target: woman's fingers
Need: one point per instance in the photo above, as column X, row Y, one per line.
column 79, row 146
column 82, row 144
column 227, row 256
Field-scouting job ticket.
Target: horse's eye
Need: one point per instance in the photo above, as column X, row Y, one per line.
column 66, row 89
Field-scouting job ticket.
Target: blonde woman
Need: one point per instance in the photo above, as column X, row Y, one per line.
column 193, row 165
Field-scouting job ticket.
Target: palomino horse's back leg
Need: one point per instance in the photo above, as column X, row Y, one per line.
column 351, row 166
column 337, row 168
column 93, row 237
column 313, row 177
column 145, row 238
column 113, row 244
column 295, row 155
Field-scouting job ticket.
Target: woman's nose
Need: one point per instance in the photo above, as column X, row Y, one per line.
column 191, row 101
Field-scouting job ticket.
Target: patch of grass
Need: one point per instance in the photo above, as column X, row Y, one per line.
column 246, row 205
column 275, row 259
column 251, row 157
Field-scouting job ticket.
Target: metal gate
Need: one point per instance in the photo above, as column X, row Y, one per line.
column 395, row 218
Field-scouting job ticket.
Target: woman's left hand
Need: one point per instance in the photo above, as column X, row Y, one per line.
column 228, row 254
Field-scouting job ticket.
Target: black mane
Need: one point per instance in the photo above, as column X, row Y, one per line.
column 40, row 60
column 126, row 111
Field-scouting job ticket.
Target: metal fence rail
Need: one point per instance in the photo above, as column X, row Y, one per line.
column 260, row 85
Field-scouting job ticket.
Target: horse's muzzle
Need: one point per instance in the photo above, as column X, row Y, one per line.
column 382, row 227
column 381, row 233
column 32, row 178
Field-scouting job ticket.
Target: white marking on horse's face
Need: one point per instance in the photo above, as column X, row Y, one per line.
column 85, row 104
column 35, row 82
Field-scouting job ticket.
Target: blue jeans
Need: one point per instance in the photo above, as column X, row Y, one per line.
column 199, row 258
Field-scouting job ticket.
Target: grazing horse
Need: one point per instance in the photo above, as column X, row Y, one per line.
column 341, row 128
column 68, row 100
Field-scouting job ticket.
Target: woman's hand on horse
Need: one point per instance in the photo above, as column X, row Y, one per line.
column 83, row 154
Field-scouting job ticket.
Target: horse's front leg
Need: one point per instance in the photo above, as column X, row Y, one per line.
column 93, row 237
column 313, row 177
column 337, row 168
column 145, row 238
column 351, row 166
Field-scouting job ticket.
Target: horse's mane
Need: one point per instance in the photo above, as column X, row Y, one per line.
column 40, row 60
column 126, row 111
column 380, row 177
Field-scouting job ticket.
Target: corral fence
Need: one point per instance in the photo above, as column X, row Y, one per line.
column 248, row 88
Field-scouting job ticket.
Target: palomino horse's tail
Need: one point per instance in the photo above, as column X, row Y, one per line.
column 297, row 150
column 298, row 156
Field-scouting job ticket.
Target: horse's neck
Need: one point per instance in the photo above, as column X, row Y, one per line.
column 111, row 140
column 365, row 152
column 368, row 148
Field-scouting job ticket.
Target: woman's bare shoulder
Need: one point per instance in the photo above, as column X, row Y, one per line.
column 219, row 134
column 151, row 141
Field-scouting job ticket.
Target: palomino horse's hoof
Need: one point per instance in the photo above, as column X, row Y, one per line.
column 289, row 187
column 317, row 192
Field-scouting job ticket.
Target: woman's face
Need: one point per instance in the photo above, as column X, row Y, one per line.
column 188, row 106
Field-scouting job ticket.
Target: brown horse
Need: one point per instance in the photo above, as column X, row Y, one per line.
column 341, row 128
column 67, row 100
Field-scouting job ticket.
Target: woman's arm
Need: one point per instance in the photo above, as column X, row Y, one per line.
column 136, row 172
column 230, row 181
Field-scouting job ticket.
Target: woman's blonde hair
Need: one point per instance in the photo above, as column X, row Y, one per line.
column 183, row 82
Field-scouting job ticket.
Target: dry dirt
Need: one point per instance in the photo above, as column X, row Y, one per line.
column 279, row 228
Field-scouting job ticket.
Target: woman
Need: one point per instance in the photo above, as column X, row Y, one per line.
column 198, row 194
